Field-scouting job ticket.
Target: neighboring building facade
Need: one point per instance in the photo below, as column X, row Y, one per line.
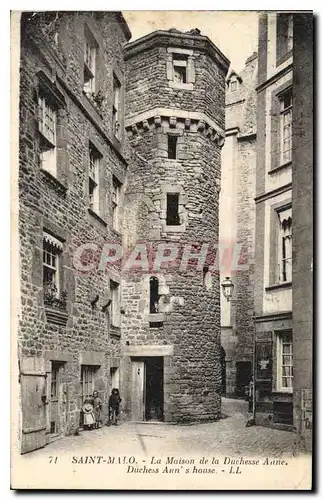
column 302, row 196
column 85, row 325
column 273, row 257
column 237, row 226
column 284, row 224
column 72, row 151
column 175, row 99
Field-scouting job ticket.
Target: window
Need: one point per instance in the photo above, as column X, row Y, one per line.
column 153, row 295
column 94, row 175
column 90, row 55
column 116, row 190
column 284, row 361
column 115, row 303
column 114, row 377
column 180, row 68
column 52, row 249
column 285, row 245
column 47, row 132
column 172, row 215
column 88, row 375
column 116, row 107
column 172, row 146
column 286, row 127
column 284, row 44
column 233, row 85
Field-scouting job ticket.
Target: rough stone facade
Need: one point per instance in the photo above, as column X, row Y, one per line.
column 237, row 226
column 110, row 184
column 77, row 333
column 189, row 310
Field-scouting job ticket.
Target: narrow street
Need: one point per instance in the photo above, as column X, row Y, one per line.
column 229, row 436
column 219, row 455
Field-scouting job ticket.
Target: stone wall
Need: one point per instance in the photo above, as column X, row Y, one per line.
column 190, row 316
column 61, row 205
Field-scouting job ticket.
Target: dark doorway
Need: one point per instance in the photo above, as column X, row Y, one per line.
column 223, row 373
column 154, row 408
column 243, row 377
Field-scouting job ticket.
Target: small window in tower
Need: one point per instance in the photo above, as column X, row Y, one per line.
column 180, row 68
column 172, row 147
column 153, row 295
column 172, row 215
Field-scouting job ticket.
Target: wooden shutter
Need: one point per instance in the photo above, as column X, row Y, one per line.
column 33, row 384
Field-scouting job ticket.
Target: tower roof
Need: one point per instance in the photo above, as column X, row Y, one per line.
column 192, row 39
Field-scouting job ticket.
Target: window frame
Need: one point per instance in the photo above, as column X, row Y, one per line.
column 115, row 295
column 280, row 361
column 284, row 37
column 89, row 65
column 286, row 111
column 115, row 200
column 180, row 58
column 282, row 259
column 86, row 381
column 170, row 138
column 50, row 241
column 174, row 218
column 94, row 168
column 47, row 142
column 116, row 106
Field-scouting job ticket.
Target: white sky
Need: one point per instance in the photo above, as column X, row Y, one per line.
column 235, row 33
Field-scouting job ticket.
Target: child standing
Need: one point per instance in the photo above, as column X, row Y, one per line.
column 114, row 405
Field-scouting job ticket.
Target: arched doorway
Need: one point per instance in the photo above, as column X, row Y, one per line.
column 223, row 372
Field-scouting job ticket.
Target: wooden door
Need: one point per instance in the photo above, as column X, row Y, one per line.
column 55, row 397
column 138, row 391
column 34, row 404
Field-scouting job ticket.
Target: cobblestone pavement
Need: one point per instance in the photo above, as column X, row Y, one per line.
column 228, row 436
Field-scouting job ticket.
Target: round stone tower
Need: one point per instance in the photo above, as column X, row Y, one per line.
column 175, row 105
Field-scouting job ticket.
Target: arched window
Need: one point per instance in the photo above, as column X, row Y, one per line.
column 153, row 295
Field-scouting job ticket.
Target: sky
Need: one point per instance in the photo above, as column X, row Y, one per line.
column 235, row 33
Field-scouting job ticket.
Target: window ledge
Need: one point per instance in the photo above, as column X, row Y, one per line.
column 115, row 331
column 97, row 217
column 280, row 167
column 181, row 86
column 54, row 182
column 281, row 392
column 56, row 316
column 173, row 229
column 156, row 318
column 279, row 286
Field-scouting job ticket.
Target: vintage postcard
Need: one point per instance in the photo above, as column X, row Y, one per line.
column 162, row 250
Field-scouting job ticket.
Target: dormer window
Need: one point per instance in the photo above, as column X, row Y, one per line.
column 233, row 85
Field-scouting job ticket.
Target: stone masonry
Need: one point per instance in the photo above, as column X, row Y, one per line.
column 189, row 308
column 68, row 343
column 237, row 224
column 52, row 47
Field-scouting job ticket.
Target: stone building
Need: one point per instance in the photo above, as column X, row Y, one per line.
column 72, row 155
column 175, row 98
column 90, row 320
column 237, row 226
column 283, row 281
column 302, row 199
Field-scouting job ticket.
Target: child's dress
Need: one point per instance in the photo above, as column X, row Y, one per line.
column 88, row 414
